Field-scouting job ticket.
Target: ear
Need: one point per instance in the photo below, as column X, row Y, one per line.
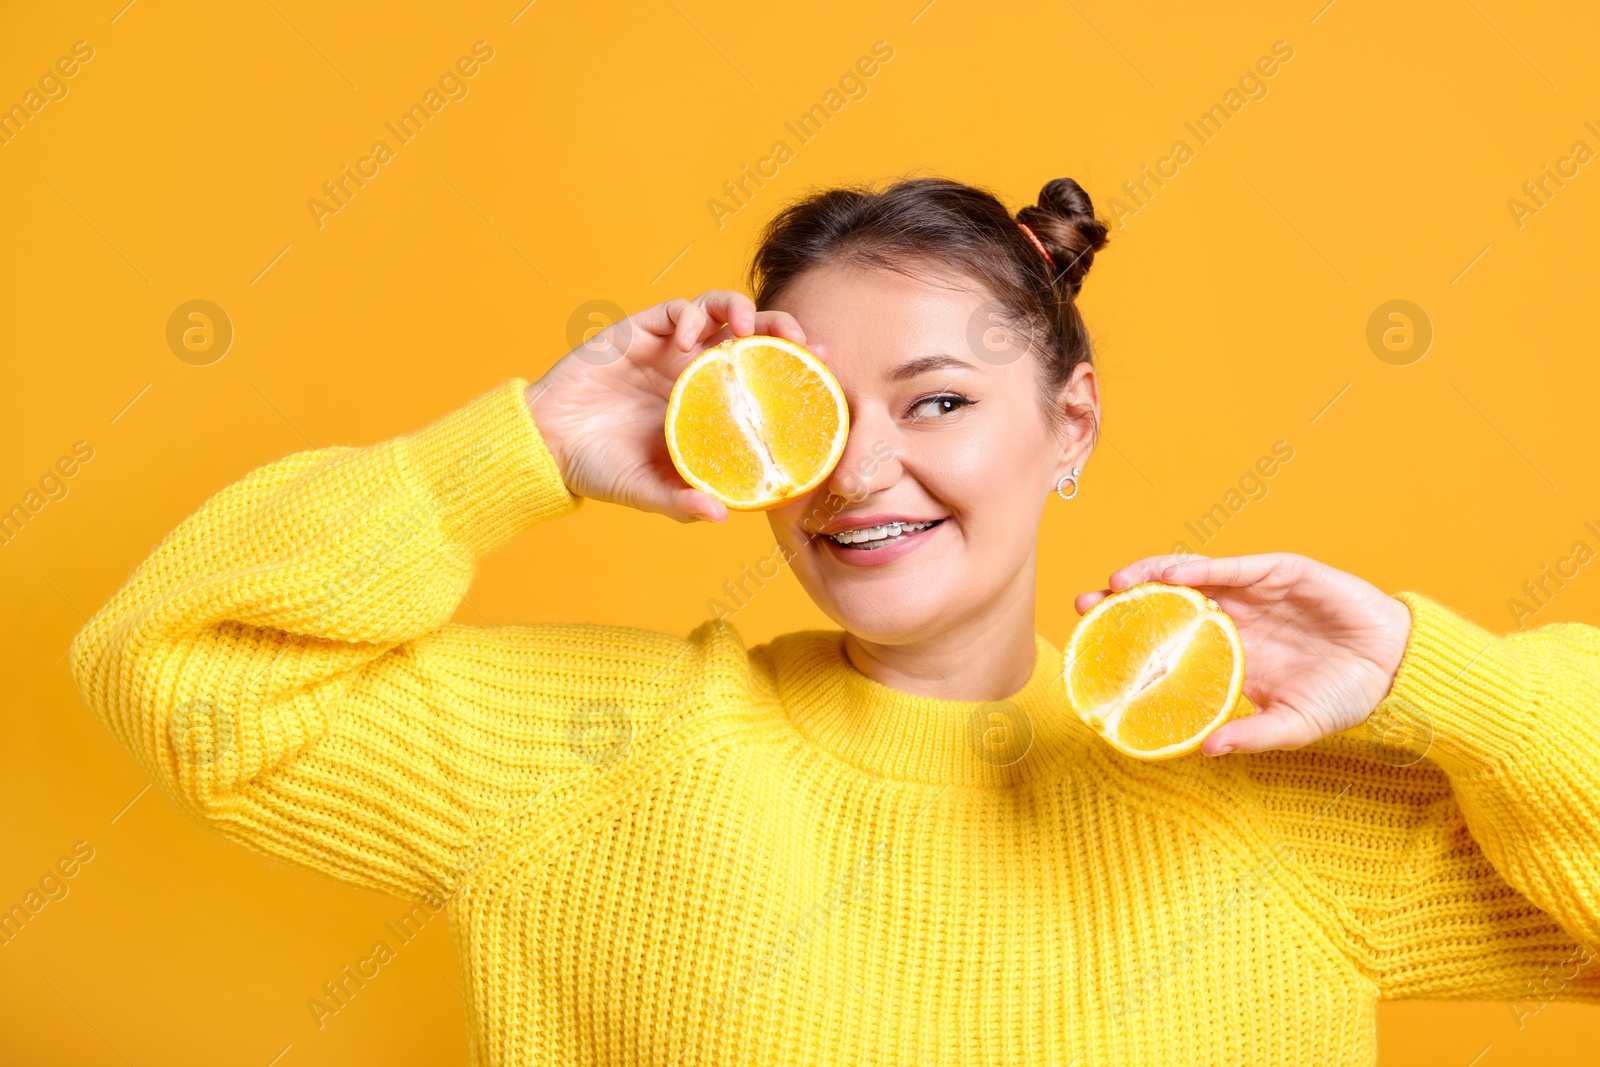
column 1079, row 404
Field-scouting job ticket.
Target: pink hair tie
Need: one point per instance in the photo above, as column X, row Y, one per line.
column 1039, row 245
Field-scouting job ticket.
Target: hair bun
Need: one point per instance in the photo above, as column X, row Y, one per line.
column 1064, row 220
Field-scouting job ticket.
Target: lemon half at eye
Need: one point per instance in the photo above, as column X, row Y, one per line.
column 756, row 421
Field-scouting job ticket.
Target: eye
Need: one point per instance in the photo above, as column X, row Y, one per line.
column 940, row 405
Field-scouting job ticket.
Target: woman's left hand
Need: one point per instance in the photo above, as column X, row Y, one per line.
column 1321, row 647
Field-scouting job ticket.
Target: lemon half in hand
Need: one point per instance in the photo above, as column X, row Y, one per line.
column 1155, row 669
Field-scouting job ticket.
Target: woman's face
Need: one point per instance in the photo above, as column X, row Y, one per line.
column 945, row 434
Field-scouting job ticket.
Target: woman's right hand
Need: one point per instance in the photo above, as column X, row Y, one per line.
column 602, row 407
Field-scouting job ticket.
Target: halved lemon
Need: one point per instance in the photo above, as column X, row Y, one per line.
column 1155, row 669
column 756, row 421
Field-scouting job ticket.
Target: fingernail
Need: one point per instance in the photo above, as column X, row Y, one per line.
column 1223, row 751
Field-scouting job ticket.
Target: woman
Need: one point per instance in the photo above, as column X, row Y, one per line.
column 809, row 851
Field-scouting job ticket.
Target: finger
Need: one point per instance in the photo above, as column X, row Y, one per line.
column 660, row 319
column 665, row 319
column 724, row 333
column 697, row 506
column 1273, row 727
column 731, row 307
column 689, row 321
column 681, row 319
column 1085, row 601
column 1232, row 571
column 780, row 324
column 770, row 324
column 681, row 502
column 1148, row 569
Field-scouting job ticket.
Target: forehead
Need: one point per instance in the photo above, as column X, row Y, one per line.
column 872, row 314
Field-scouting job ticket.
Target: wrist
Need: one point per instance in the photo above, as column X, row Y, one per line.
column 1475, row 695
column 480, row 473
column 532, row 394
column 1396, row 630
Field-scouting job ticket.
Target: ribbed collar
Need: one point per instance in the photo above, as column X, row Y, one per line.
column 898, row 735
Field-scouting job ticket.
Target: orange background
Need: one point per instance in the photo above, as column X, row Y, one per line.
column 1230, row 312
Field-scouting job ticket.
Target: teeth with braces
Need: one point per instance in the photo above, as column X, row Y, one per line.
column 878, row 533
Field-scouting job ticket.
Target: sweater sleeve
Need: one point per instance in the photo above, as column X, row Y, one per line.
column 1464, row 863
column 283, row 665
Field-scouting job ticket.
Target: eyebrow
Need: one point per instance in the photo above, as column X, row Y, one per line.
column 923, row 364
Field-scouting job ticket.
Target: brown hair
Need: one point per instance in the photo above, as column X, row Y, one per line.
column 951, row 226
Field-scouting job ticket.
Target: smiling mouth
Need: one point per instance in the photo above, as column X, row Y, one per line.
column 870, row 538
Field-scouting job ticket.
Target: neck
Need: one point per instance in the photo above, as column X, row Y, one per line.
column 987, row 655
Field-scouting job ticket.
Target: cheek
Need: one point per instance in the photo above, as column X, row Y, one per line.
column 788, row 533
column 987, row 473
column 803, row 556
column 788, row 521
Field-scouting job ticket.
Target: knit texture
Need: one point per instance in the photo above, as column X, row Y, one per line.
column 676, row 851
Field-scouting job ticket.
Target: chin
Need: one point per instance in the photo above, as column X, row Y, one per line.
column 892, row 604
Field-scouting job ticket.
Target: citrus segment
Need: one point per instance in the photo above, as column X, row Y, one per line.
column 1182, row 703
column 756, row 421
column 797, row 407
column 1111, row 654
column 718, row 448
column 1155, row 669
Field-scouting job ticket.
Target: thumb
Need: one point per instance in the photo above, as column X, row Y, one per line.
column 664, row 492
column 1275, row 726
column 687, row 504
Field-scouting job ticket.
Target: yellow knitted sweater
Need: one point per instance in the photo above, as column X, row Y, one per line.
column 669, row 850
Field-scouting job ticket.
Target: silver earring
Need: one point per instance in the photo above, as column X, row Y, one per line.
column 1073, row 478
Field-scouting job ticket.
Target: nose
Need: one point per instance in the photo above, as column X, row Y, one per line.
column 870, row 463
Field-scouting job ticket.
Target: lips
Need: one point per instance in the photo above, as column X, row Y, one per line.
column 874, row 540
column 871, row 538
